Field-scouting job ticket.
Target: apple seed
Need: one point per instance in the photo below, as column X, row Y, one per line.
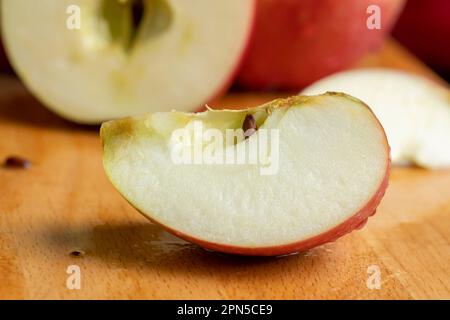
column 77, row 253
column 137, row 11
column 17, row 162
column 249, row 126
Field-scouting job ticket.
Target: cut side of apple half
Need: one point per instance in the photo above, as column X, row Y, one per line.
column 129, row 56
column 414, row 111
column 333, row 169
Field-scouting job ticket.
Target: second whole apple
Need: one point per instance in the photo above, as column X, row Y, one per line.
column 296, row 42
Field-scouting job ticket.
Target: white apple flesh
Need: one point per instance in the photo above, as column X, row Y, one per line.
column 414, row 111
column 333, row 171
column 129, row 56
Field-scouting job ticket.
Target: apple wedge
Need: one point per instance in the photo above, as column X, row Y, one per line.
column 128, row 56
column 414, row 111
column 333, row 169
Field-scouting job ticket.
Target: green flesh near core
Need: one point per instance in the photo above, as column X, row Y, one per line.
column 131, row 21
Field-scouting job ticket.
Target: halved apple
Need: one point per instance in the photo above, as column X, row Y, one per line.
column 129, row 56
column 333, row 170
column 414, row 111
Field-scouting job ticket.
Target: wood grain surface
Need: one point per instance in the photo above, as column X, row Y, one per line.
column 64, row 203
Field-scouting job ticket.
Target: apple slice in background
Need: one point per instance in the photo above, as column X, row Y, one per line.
column 414, row 111
column 332, row 173
column 129, row 57
column 297, row 42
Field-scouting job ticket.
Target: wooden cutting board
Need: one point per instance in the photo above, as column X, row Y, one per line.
column 65, row 204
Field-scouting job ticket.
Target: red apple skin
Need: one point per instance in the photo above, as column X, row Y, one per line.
column 356, row 222
column 297, row 42
column 424, row 28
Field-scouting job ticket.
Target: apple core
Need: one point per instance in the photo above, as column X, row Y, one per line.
column 131, row 21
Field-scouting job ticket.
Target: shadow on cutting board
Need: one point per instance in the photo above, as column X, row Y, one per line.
column 145, row 245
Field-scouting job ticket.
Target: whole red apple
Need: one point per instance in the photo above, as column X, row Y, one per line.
column 424, row 28
column 296, row 42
